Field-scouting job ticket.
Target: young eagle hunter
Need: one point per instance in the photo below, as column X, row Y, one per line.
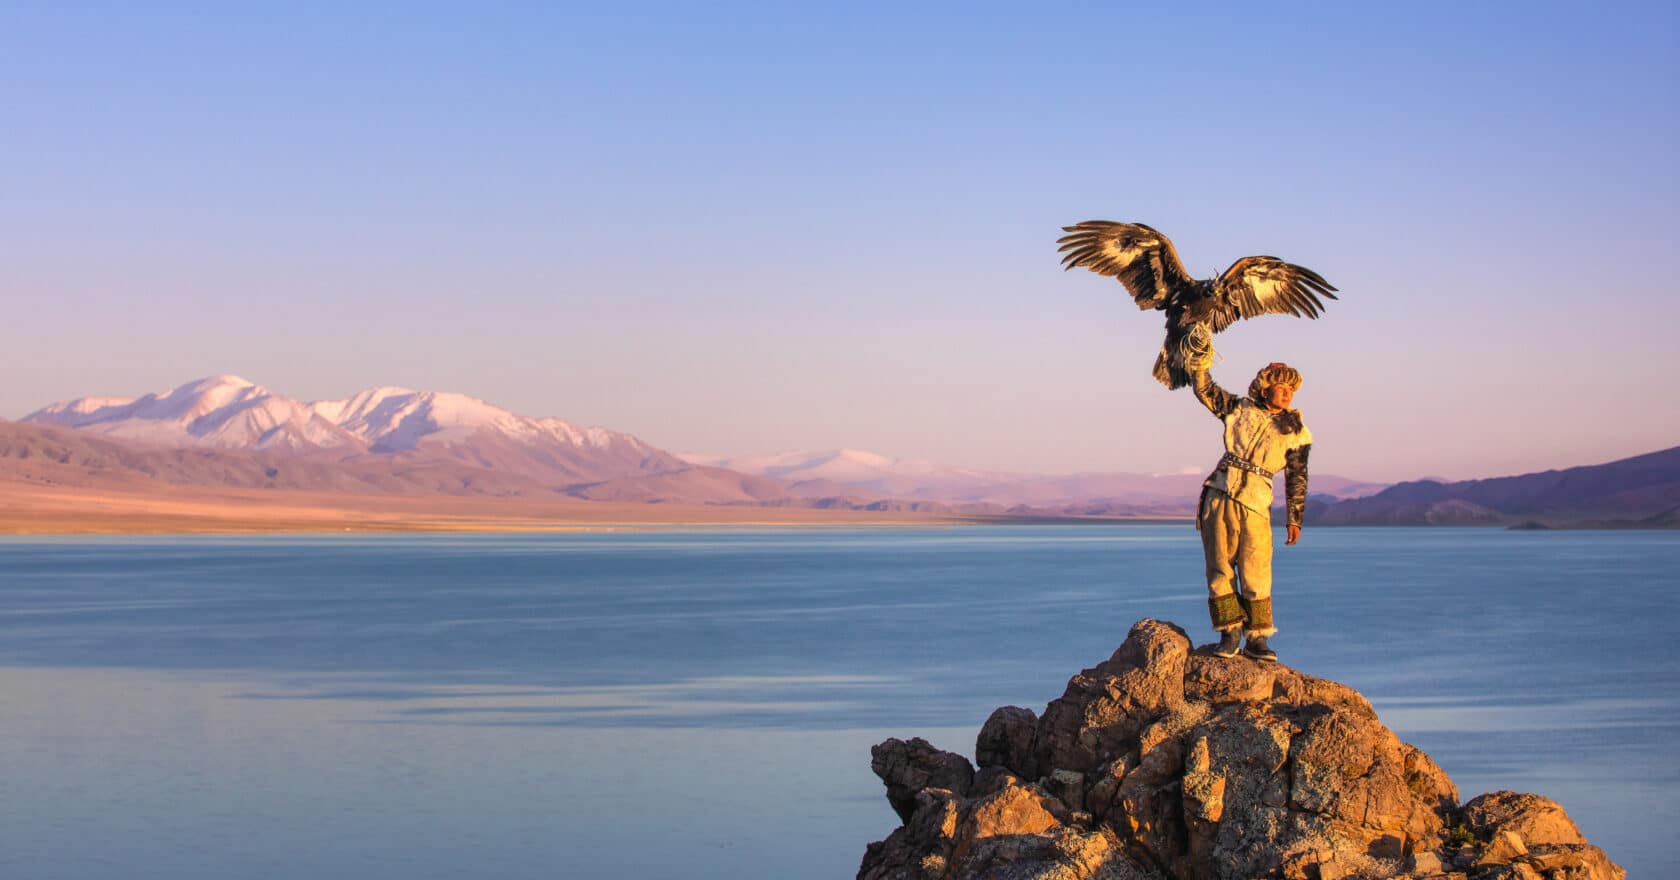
column 1262, row 436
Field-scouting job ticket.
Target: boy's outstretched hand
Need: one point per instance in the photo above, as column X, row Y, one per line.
column 1294, row 534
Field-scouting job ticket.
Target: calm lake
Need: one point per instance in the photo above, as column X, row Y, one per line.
column 701, row 703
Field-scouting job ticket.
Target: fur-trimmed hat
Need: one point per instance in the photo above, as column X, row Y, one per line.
column 1274, row 373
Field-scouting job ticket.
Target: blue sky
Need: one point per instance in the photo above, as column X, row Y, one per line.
column 747, row 228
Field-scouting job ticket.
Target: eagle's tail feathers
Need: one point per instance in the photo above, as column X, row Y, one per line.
column 1173, row 375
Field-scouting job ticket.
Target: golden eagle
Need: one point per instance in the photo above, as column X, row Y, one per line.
column 1144, row 261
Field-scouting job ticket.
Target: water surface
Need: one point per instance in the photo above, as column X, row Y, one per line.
column 701, row 703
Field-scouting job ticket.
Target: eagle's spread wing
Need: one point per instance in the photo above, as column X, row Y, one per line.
column 1267, row 285
column 1143, row 259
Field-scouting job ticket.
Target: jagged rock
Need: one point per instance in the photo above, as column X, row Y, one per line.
column 1562, row 861
column 1006, row 740
column 990, row 780
column 1068, row 786
column 1426, row 863
column 910, row 766
column 1017, row 809
column 921, row 848
column 1428, row 781
column 1532, row 817
column 1503, row 849
column 1211, row 679
column 1062, row 854
column 1106, row 706
column 1163, row 763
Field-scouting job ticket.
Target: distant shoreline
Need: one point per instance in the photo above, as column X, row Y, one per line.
column 37, row 509
column 47, row 509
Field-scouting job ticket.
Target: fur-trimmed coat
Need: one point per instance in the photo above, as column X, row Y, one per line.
column 1273, row 441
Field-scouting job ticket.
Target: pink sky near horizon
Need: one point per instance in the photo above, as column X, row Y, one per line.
column 748, row 231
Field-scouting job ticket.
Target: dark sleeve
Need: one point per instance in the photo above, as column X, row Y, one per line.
column 1218, row 401
column 1295, row 471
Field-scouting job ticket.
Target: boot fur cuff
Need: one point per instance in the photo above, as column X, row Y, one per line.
column 1266, row 633
column 1226, row 612
column 1259, row 614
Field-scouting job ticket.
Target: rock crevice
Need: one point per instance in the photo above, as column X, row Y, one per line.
column 1167, row 763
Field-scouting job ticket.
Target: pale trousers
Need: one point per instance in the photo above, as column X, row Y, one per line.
column 1237, row 542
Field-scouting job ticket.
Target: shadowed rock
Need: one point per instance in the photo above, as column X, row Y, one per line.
column 1163, row 762
column 908, row 767
column 1006, row 740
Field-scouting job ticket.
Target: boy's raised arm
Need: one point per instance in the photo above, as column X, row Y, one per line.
column 1218, row 401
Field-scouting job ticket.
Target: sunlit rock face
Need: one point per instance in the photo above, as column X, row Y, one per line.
column 1166, row 762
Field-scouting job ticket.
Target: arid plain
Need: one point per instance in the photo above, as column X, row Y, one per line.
column 27, row 509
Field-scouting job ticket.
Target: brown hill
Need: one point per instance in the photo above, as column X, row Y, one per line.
column 1633, row 489
column 56, row 480
column 548, row 465
column 693, row 485
column 47, row 455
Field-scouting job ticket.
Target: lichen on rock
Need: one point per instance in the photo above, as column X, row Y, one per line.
column 1167, row 762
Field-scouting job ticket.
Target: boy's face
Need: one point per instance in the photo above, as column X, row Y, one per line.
column 1278, row 396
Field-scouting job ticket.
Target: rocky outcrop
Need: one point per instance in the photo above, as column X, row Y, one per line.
column 1164, row 763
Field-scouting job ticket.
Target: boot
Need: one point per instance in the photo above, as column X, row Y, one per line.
column 1229, row 642
column 1256, row 649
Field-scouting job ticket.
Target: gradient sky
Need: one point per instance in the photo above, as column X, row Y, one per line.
column 745, row 228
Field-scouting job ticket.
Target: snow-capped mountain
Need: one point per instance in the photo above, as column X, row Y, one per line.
column 224, row 412
column 228, row 412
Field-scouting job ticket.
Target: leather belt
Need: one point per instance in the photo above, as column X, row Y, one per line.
column 1243, row 464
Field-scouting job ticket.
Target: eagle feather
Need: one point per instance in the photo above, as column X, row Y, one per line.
column 1147, row 264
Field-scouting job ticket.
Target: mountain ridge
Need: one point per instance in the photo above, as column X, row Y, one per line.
column 1638, row 491
column 391, row 439
column 228, row 412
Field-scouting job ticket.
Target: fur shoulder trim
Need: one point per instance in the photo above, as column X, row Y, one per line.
column 1289, row 421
